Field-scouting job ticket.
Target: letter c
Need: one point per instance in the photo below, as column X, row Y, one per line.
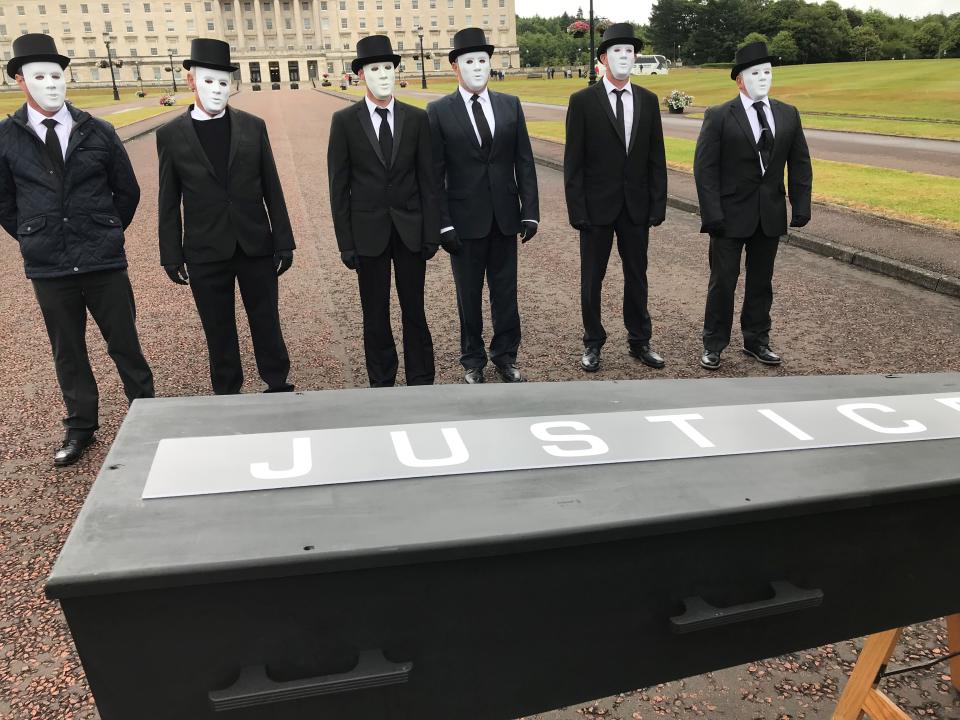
column 850, row 411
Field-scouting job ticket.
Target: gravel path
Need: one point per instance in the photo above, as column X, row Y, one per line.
column 828, row 318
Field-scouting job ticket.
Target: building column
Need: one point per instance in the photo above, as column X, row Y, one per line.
column 298, row 24
column 258, row 13
column 317, row 30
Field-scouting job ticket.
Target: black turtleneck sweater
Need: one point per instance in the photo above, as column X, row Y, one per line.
column 214, row 136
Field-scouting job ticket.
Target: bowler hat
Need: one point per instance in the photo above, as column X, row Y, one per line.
column 469, row 39
column 619, row 34
column 751, row 54
column 210, row 53
column 371, row 49
column 34, row 47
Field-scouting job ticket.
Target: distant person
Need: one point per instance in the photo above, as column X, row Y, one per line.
column 67, row 193
column 488, row 196
column 384, row 203
column 217, row 172
column 738, row 167
column 615, row 173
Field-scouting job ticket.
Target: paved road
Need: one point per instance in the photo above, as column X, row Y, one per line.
column 828, row 318
column 938, row 157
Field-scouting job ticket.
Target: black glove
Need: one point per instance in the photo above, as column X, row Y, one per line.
column 428, row 251
column 655, row 222
column 529, row 230
column 799, row 220
column 282, row 260
column 581, row 226
column 451, row 242
column 350, row 259
column 178, row 273
column 715, row 228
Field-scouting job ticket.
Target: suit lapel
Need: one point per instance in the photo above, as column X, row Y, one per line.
column 367, row 124
column 190, row 135
column 499, row 118
column 235, row 131
column 779, row 123
column 460, row 111
column 604, row 101
column 399, row 114
column 736, row 107
column 637, row 103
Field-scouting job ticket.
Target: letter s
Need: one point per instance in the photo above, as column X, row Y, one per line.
column 541, row 431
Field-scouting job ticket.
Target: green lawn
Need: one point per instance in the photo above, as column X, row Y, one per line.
column 86, row 99
column 128, row 117
column 918, row 197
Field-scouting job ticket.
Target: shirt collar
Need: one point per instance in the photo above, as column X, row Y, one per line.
column 62, row 116
column 373, row 107
column 748, row 103
column 611, row 87
column 467, row 95
column 198, row 114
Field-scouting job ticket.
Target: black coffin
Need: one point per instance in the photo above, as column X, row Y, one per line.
column 500, row 594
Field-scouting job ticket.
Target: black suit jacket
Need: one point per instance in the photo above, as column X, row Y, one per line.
column 367, row 196
column 477, row 188
column 249, row 210
column 730, row 186
column 600, row 174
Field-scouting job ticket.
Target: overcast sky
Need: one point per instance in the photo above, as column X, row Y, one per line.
column 639, row 10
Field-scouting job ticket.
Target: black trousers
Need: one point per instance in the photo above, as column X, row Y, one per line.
column 595, row 245
column 725, row 256
column 493, row 257
column 373, row 274
column 214, row 285
column 64, row 302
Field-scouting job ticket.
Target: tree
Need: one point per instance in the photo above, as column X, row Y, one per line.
column 929, row 38
column 818, row 37
column 951, row 40
column 865, row 43
column 752, row 38
column 784, row 48
column 670, row 24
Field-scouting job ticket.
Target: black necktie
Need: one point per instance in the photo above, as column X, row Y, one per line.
column 621, row 122
column 483, row 127
column 54, row 151
column 386, row 137
column 765, row 143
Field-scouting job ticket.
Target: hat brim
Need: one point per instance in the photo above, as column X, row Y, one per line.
column 14, row 65
column 604, row 46
column 358, row 63
column 737, row 69
column 454, row 54
column 188, row 63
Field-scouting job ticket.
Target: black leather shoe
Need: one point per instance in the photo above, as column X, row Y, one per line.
column 473, row 376
column 509, row 373
column 710, row 360
column 647, row 356
column 590, row 361
column 71, row 450
column 764, row 354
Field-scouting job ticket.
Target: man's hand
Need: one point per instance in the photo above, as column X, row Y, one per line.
column 428, row 251
column 583, row 226
column 717, row 228
column 655, row 222
column 178, row 273
column 799, row 220
column 350, row 259
column 529, row 230
column 451, row 242
column 282, row 260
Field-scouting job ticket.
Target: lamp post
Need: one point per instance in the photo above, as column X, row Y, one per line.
column 423, row 63
column 140, row 77
column 172, row 69
column 113, row 77
column 592, row 75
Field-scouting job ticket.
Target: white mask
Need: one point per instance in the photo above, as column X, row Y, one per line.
column 380, row 78
column 757, row 80
column 212, row 87
column 474, row 70
column 46, row 84
column 620, row 59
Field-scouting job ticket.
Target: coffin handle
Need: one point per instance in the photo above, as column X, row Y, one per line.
column 701, row 615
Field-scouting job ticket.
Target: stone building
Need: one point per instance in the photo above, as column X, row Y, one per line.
column 272, row 40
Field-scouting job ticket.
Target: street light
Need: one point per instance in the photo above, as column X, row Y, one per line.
column 113, row 78
column 592, row 75
column 423, row 63
column 140, row 78
column 172, row 70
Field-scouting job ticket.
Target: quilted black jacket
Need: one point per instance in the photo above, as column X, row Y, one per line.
column 74, row 224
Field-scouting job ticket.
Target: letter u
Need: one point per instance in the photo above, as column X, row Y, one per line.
column 458, row 451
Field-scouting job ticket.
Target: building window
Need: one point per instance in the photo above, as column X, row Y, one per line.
column 188, row 7
column 287, row 24
column 167, row 8
column 415, row 4
column 400, row 45
column 503, row 4
column 66, row 29
column 254, row 72
column 343, row 23
column 469, row 19
column 247, row 7
column 268, row 23
column 250, row 25
column 146, row 7
column 416, row 21
column 210, row 25
column 360, row 5
column 323, row 5
column 108, row 26
column 466, row 4
column 171, row 26
column 399, row 22
column 230, row 25
column 436, row 64
column 505, row 61
column 20, row 10
column 87, row 28
column 132, row 52
column 154, row 51
column 450, row 20
column 157, row 73
column 503, row 20
column 208, row 7
column 42, row 9
column 129, row 26
column 363, row 23
column 307, row 24
column 380, row 22
column 149, row 25
column 94, row 74
column 91, row 53
column 433, row 22
column 84, row 9
column 486, row 3
column 63, row 9
column 191, row 25
column 44, row 28
column 433, row 4
column 71, row 53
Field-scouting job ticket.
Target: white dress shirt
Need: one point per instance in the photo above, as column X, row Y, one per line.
column 198, row 114
column 485, row 106
column 64, row 126
column 755, row 121
column 627, row 105
column 375, row 116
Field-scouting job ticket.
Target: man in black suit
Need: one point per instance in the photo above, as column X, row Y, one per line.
column 217, row 163
column 741, row 153
column 488, row 195
column 383, row 198
column 615, row 172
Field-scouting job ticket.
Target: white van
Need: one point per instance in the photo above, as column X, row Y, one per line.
column 651, row 65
